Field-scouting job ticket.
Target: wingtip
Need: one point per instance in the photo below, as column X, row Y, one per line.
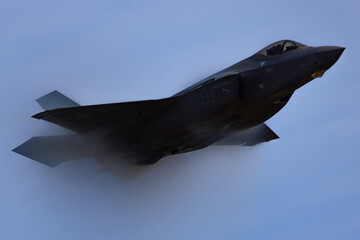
column 15, row 150
column 37, row 116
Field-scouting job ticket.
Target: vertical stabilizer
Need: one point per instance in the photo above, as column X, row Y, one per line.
column 55, row 100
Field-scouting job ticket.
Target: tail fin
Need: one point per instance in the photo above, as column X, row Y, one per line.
column 55, row 100
column 53, row 150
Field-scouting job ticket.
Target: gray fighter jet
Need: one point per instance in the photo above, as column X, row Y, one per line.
column 226, row 108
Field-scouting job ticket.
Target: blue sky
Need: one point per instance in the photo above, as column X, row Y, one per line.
column 303, row 186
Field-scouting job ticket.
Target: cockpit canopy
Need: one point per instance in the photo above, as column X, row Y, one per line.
column 280, row 47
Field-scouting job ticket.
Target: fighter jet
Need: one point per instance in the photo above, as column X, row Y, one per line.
column 226, row 108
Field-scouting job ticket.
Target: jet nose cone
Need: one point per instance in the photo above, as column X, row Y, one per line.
column 328, row 55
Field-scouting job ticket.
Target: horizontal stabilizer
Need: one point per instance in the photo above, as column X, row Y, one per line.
column 53, row 150
column 250, row 137
column 55, row 100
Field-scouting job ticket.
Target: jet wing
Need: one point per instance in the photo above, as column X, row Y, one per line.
column 86, row 118
column 250, row 137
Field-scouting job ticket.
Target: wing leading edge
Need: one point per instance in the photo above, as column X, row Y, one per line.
column 250, row 137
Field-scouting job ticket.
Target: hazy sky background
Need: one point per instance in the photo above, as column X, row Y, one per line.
column 305, row 185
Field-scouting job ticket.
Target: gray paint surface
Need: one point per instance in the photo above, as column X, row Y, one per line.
column 303, row 186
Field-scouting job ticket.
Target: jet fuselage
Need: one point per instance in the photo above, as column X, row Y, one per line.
column 228, row 107
column 239, row 97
